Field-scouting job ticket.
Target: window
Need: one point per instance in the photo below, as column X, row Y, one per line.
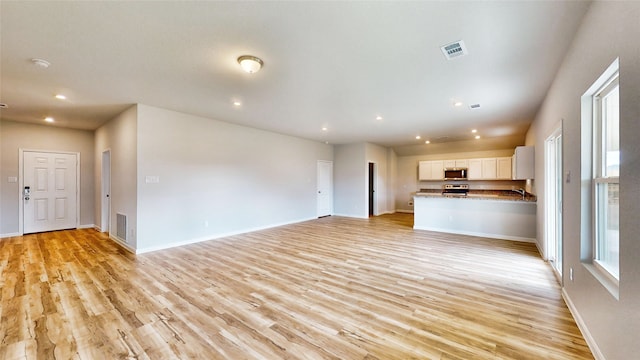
column 606, row 171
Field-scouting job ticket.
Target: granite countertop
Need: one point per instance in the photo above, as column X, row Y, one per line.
column 504, row 195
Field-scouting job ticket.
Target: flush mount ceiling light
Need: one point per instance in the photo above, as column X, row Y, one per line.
column 417, row 137
column 378, row 117
column 61, row 97
column 427, row 142
column 250, row 64
column 457, row 103
column 474, row 131
column 49, row 119
column 41, row 63
column 477, row 137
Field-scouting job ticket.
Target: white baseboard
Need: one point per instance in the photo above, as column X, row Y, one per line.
column 86, row 226
column 10, row 235
column 122, row 244
column 216, row 236
column 352, row 216
column 404, row 211
column 472, row 233
column 593, row 346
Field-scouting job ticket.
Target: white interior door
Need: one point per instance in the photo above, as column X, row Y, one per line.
column 51, row 200
column 325, row 188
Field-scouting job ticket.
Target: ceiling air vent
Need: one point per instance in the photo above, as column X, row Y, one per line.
column 474, row 106
column 454, row 50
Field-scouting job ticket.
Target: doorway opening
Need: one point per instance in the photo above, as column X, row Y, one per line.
column 553, row 200
column 372, row 197
column 105, row 221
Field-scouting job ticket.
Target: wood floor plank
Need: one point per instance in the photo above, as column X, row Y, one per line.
column 332, row 288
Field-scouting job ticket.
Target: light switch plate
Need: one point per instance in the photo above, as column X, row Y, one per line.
column 152, row 179
column 12, row 179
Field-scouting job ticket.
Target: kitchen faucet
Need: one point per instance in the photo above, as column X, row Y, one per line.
column 522, row 192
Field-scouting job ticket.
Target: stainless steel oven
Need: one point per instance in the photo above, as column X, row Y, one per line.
column 455, row 189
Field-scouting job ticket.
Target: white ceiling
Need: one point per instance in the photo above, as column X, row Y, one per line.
column 327, row 64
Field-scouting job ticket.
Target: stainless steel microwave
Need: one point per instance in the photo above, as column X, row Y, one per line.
column 455, row 174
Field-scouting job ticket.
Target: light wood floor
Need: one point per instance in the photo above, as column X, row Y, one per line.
column 333, row 288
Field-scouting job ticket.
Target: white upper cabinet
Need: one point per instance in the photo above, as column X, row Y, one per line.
column 518, row 167
column 522, row 163
column 474, row 170
column 489, row 169
column 504, row 168
column 449, row 164
column 431, row 170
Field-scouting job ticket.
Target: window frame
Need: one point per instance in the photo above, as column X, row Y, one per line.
column 600, row 179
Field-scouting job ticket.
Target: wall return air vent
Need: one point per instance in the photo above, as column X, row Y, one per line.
column 454, row 50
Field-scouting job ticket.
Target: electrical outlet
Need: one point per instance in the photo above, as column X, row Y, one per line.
column 571, row 274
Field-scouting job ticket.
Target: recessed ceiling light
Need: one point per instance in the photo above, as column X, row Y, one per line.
column 41, row 63
column 250, row 64
column 474, row 131
column 477, row 137
column 49, row 119
column 237, row 103
column 457, row 103
column 378, row 117
column 324, row 129
column 61, row 97
column 417, row 137
column 427, row 142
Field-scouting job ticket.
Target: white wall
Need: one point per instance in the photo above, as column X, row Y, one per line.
column 350, row 181
column 217, row 178
column 383, row 159
column 351, row 174
column 120, row 136
column 392, row 178
column 13, row 136
column 609, row 30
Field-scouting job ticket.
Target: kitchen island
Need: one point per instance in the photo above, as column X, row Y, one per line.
column 500, row 214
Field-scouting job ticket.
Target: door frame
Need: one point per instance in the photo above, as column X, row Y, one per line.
column 372, row 181
column 552, row 204
column 105, row 206
column 21, row 152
